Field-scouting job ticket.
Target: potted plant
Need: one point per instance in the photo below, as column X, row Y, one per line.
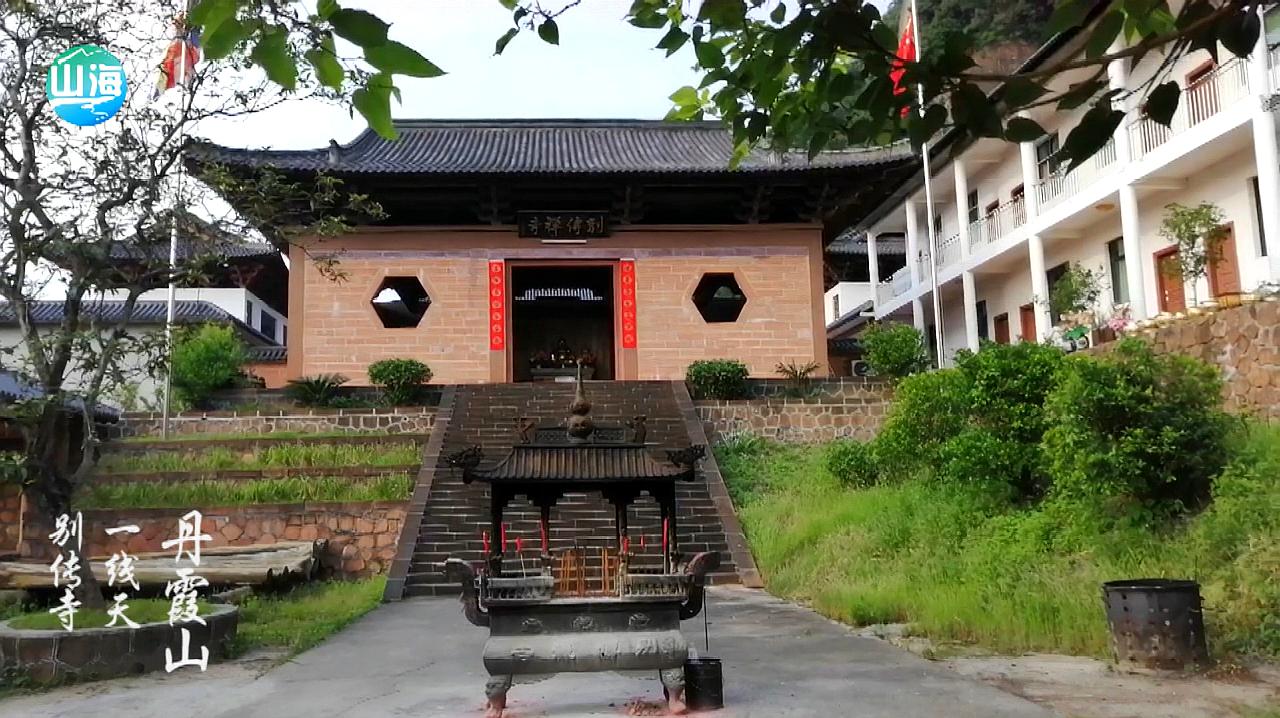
column 1197, row 232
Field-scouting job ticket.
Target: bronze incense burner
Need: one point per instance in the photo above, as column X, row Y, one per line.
column 555, row 618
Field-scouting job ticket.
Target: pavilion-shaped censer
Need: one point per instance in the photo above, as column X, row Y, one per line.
column 563, row 615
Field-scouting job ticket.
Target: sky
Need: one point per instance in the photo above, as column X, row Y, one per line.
column 602, row 68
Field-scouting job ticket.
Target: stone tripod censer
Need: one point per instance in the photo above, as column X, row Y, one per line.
column 541, row 623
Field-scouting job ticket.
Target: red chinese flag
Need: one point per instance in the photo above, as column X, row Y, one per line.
column 906, row 53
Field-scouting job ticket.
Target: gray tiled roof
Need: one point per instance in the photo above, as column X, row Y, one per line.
column 547, row 146
column 268, row 354
column 15, row 387
column 855, row 243
column 186, row 311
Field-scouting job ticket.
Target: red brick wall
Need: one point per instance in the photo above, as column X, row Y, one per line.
column 274, row 374
column 361, row 536
column 333, row 327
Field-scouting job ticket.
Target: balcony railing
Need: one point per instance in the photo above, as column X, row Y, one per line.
column 884, row 293
column 926, row 266
column 900, row 282
column 1275, row 68
column 1063, row 184
column 1201, row 100
column 999, row 223
column 949, row 251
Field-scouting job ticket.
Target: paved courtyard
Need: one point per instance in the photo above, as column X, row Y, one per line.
column 421, row 658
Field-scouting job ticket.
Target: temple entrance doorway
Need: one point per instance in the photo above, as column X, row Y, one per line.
column 561, row 314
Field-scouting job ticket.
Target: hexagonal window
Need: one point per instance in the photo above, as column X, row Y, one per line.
column 400, row 302
column 719, row 298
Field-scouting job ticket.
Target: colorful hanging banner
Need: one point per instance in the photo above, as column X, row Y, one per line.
column 627, row 272
column 497, row 306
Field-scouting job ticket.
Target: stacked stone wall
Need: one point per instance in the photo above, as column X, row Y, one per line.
column 852, row 408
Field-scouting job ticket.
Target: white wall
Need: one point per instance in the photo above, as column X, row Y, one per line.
column 239, row 303
column 851, row 296
column 135, row 389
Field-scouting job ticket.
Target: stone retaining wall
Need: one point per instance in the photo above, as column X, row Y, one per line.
column 852, row 407
column 96, row 653
column 362, row 535
column 405, row 420
column 1243, row 341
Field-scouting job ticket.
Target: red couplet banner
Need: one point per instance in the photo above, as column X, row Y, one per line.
column 497, row 306
column 627, row 281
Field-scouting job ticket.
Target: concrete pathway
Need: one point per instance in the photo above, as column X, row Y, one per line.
column 421, row 658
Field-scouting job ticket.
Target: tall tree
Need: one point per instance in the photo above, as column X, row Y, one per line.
column 89, row 210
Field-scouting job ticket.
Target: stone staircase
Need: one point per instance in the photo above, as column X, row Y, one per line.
column 454, row 515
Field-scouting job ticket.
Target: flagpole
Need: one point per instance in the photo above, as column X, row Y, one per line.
column 928, row 203
column 170, row 308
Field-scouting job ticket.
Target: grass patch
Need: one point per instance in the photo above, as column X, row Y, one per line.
column 959, row 565
column 142, row 610
column 305, row 616
column 266, row 457
column 282, row 435
column 141, row 495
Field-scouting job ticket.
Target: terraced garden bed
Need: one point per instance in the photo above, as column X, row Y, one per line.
column 253, row 442
column 295, row 454
column 204, row 493
column 348, row 472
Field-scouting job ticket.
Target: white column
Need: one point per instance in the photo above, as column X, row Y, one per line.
column 1133, row 256
column 967, row 283
column 1130, row 229
column 913, row 262
column 873, row 270
column 1035, row 246
column 1265, row 151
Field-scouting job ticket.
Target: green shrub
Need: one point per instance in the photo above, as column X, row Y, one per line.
column 401, row 379
column 205, row 359
column 927, row 410
column 717, row 379
column 852, row 462
column 319, row 390
column 894, row 350
column 990, row 462
column 1137, row 427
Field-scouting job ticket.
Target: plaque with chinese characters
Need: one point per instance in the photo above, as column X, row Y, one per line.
column 540, row 224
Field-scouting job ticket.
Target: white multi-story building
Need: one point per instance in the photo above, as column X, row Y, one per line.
column 1008, row 219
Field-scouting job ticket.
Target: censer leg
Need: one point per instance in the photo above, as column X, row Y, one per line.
column 496, row 690
column 673, row 687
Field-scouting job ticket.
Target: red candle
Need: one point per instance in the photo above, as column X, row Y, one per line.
column 484, row 537
column 641, row 542
column 666, row 533
column 626, row 544
column 519, row 545
column 542, row 527
column 504, row 538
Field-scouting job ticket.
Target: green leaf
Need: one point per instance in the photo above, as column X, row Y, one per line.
column 685, row 96
column 1105, row 32
column 549, row 32
column 1079, row 94
column 1162, row 102
column 1096, row 128
column 272, row 54
column 1021, row 92
column 209, row 14
column 1068, row 14
column 373, row 101
column 326, row 8
column 399, row 59
column 724, row 14
column 710, row 57
column 359, row 27
column 509, row 4
column 673, row 40
column 222, row 41
column 505, row 40
column 1239, row 32
column 324, row 59
column 1022, row 129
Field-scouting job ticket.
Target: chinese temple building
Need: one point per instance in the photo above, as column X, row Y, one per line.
column 513, row 249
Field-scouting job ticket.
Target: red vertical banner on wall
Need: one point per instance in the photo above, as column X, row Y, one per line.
column 497, row 306
column 627, row 281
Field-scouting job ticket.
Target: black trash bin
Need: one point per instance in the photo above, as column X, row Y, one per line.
column 703, row 684
column 1156, row 622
